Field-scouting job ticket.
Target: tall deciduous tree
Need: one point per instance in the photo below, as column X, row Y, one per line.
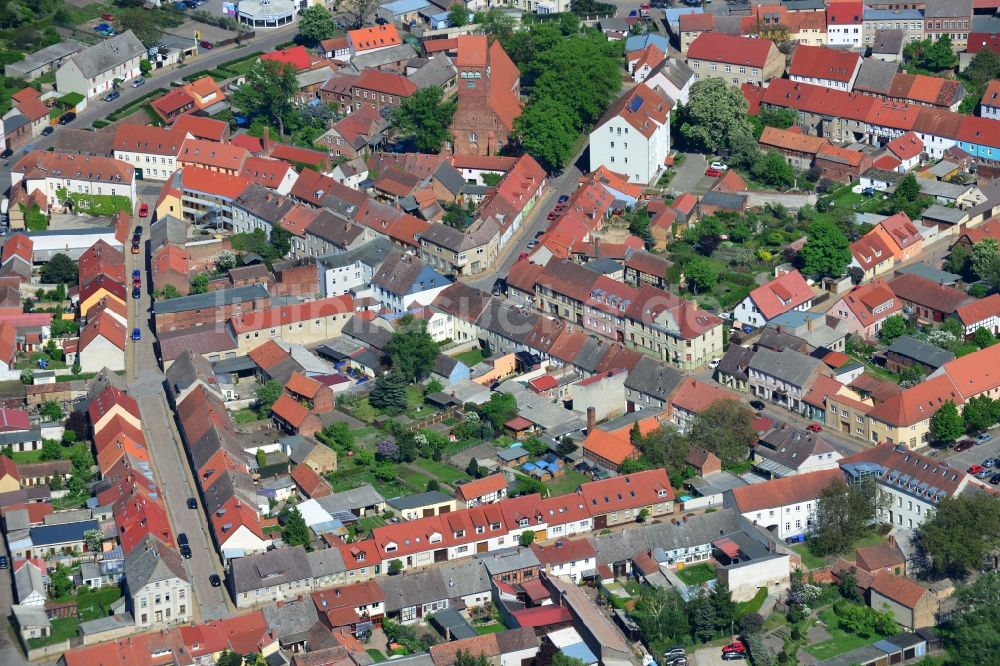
column 268, row 92
column 827, row 251
column 60, row 269
column 726, row 429
column 425, row 117
column 595, row 82
column 500, row 408
column 971, row 636
column 960, row 534
column 946, row 424
column 844, row 514
column 986, row 262
column 715, row 116
column 458, row 15
column 316, row 23
column 546, row 130
column 411, row 348
column 267, row 395
column 700, row 275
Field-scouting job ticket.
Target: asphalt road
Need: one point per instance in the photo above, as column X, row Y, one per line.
column 690, row 176
column 563, row 184
column 10, row 646
column 169, row 460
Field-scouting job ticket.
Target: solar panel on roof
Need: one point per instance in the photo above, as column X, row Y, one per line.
column 634, row 105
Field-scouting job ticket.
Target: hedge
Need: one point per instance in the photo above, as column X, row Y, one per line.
column 135, row 104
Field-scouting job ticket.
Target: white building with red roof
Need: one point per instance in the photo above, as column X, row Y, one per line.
column 786, row 507
column 633, row 137
column 845, row 24
column 787, row 292
column 982, row 313
column 866, row 306
column 989, row 107
column 821, row 66
column 486, row 490
column 150, row 150
column 50, row 173
column 102, row 344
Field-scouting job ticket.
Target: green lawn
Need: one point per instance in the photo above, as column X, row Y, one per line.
column 63, row 628
column 245, row 415
column 808, row 559
column 840, row 640
column 94, row 604
column 567, row 483
column 376, row 656
column 369, row 523
column 753, row 605
column 471, row 357
column 813, row 561
column 441, row 471
column 696, row 574
column 22, row 457
column 494, row 628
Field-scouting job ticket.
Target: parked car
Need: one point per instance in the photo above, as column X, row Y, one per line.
column 757, row 404
column 983, row 437
column 182, row 539
column 532, row 244
column 522, row 256
column 674, row 652
column 136, row 277
column 112, row 96
column 735, row 646
column 559, row 207
column 208, row 46
column 48, row 130
column 992, row 462
column 3, row 562
column 714, row 363
column 136, row 293
column 814, row 427
column 564, row 198
column 964, row 445
column 144, row 210
column 714, row 173
column 138, row 82
column 215, row 580
column 136, row 334
column 380, row 21
column 192, row 503
column 733, row 656
column 6, row 153
column 995, row 479
column 539, row 234
column 975, row 469
column 499, row 286
column 552, row 216
column 135, row 247
column 67, row 118
column 984, row 474
column 186, row 552
column 137, row 233
column 719, row 166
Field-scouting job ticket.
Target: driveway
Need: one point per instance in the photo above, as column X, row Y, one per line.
column 690, row 176
column 974, row 456
column 166, row 452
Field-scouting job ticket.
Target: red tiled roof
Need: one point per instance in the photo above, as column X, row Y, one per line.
column 872, row 249
column 385, row 82
column 213, row 154
column 202, row 128
column 927, row 293
column 718, row 47
column 784, row 491
column 148, row 140
column 918, row 403
column 979, row 310
column 782, row 294
column 197, row 179
column 976, row 373
column 992, row 95
column 267, row 355
column 264, row 171
column 627, row 491
column 543, row 616
column 170, row 259
column 17, row 245
column 290, row 314
column 251, row 143
column 879, row 556
column 374, row 37
column 818, row 62
column 906, row 146
column 793, row 141
column 697, row 22
column 13, row 419
column 105, row 326
column 564, row 551
column 289, row 411
column 845, row 13
column 302, row 385
column 173, row 101
column 696, row 396
column 445, row 653
column 296, row 56
column 980, row 131
column 306, row 156
column 503, row 95
column 644, row 108
column 311, row 483
column 493, row 483
column 901, row 590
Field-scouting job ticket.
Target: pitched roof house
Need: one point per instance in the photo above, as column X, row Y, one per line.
column 789, row 291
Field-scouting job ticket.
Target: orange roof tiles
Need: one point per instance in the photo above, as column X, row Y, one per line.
column 791, row 141
column 212, row 155
column 296, row 56
column 198, row 179
column 782, row 294
column 901, row 590
column 202, row 128
column 718, row 47
column 493, row 483
column 170, row 259
column 385, row 82
column 17, row 245
column 290, row 411
column 173, row 101
column 784, row 491
column 104, row 326
column 374, row 37
column 906, row 146
column 148, row 140
column 818, row 62
column 267, row 355
column 979, row 310
column 696, row 396
column 627, row 491
column 311, row 483
column 302, row 385
column 918, row 402
column 643, row 108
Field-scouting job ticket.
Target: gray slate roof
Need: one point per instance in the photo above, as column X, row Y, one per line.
column 325, row 562
column 292, row 619
column 30, row 616
column 28, row 579
column 168, row 229
column 437, row 72
column 875, row 76
column 108, row 54
column 151, row 561
column 788, row 365
column 888, row 41
column 211, row 299
column 791, row 446
column 509, row 559
column 698, row 530
column 418, row 500
column 918, row 350
column 651, row 377
column 263, row 203
column 376, row 59
column 423, row 586
column 43, row 57
column 351, row 500
column 274, row 567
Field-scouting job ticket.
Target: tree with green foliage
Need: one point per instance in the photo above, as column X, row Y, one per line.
column 827, row 251
column 27, row 376
column 496, row 22
column 561, row 659
column 960, row 534
column 93, row 539
column 458, row 15
column 771, row 169
column 364, row 458
column 907, row 199
column 864, row 621
column 595, row 83
column 60, row 583
column 844, row 514
column 700, row 275
column 199, row 284
column 500, row 408
column 316, row 23
column 546, row 130
column 715, row 116
column 145, row 67
column 527, row 538
column 294, row 530
column 425, row 117
column 338, row 436
column 51, row 450
column 847, row 585
column 933, row 55
column 137, row 19
column 229, row 658
column 946, row 424
column 893, row 327
column 726, row 429
column 971, row 635
column 702, row 617
column 268, row 92
column 983, row 338
column 60, row 269
column 261, row 458
column 395, row 566
column 267, row 395
column 661, row 615
column 723, row 606
column 980, row 413
column 50, row 411
column 986, row 262
column 411, row 348
column 389, row 392
column 566, row 447
column 666, row 448
column 957, row 261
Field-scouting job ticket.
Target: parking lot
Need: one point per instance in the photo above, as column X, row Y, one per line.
column 976, row 455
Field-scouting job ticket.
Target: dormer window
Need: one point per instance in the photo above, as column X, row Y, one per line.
column 360, row 557
column 523, row 522
column 459, row 534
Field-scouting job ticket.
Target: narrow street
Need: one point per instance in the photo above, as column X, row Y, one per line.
column 166, row 452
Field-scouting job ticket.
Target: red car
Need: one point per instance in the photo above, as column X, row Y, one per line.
column 559, row 207
column 522, row 256
column 551, row 216
column 143, row 210
column 735, row 646
column 975, row 469
column 714, row 173
column 814, row 427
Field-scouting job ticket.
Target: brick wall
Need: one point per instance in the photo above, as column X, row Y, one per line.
column 173, row 320
column 203, row 254
column 301, row 279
